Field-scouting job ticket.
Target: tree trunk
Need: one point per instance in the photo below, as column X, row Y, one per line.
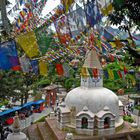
column 26, row 97
column 22, row 99
column 3, row 13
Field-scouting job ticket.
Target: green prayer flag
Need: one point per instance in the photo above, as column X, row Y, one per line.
column 116, row 76
column 44, row 40
column 90, row 72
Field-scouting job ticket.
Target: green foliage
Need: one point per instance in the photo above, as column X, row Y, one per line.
column 11, row 81
column 69, row 83
column 137, row 107
column 37, row 96
column 3, row 102
column 114, row 85
column 128, row 119
column 43, row 82
column 72, row 82
column 126, row 12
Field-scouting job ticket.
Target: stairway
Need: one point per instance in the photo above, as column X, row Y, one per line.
column 40, row 131
column 33, row 133
column 45, row 131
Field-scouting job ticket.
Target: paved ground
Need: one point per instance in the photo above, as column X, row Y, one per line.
column 35, row 116
column 125, row 100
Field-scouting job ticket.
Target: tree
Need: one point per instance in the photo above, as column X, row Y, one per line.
column 15, row 84
column 5, row 21
column 126, row 14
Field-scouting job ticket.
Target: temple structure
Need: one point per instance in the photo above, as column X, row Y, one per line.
column 90, row 109
column 17, row 134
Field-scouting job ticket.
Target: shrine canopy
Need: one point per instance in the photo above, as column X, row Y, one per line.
column 10, row 110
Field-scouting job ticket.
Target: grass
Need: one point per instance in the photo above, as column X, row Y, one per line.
column 42, row 119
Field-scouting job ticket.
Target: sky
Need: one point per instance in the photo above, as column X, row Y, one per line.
column 50, row 5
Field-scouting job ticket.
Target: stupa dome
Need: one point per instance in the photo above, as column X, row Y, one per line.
column 94, row 98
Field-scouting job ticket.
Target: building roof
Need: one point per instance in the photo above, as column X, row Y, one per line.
column 50, row 87
column 85, row 110
column 63, row 108
column 120, row 103
column 101, row 113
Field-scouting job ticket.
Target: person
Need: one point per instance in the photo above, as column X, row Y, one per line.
column 1, row 131
column 7, row 131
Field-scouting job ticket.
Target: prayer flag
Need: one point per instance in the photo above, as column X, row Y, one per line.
column 25, row 64
column 66, row 68
column 44, row 39
column 63, row 30
column 105, row 6
column 111, row 75
column 28, row 44
column 120, row 74
column 67, row 4
column 43, row 67
column 106, row 74
column 116, row 76
column 95, row 73
column 59, row 69
column 90, row 72
column 8, row 55
column 77, row 21
column 92, row 13
column 84, row 72
column 35, row 66
column 125, row 70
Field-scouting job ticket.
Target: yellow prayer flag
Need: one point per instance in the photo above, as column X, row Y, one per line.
column 99, row 44
column 43, row 67
column 118, row 44
column 28, row 44
column 113, row 44
column 111, row 75
column 84, row 72
column 67, row 4
column 107, row 10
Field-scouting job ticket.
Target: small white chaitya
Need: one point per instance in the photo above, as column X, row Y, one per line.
column 90, row 109
column 17, row 134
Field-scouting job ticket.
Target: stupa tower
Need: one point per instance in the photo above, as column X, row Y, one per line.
column 91, row 73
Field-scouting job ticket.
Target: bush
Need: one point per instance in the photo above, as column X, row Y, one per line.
column 137, row 107
column 128, row 118
column 5, row 102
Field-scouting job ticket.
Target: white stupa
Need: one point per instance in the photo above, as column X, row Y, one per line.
column 102, row 105
column 17, row 134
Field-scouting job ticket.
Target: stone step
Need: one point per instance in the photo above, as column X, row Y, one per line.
column 44, row 131
column 33, row 133
column 52, row 125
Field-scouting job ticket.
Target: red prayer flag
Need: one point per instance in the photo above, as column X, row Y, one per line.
column 95, row 73
column 112, row 58
column 59, row 69
column 120, row 74
column 16, row 68
column 125, row 70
